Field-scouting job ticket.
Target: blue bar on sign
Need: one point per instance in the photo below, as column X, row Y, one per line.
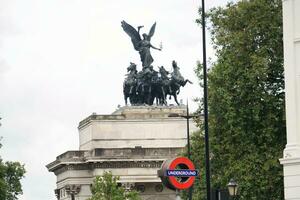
column 182, row 173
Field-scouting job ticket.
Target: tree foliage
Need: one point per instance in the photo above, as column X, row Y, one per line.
column 246, row 99
column 10, row 175
column 106, row 188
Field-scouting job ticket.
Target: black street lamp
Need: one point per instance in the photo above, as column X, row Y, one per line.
column 232, row 188
column 207, row 162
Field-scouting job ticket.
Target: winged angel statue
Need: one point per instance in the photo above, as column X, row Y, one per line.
column 141, row 45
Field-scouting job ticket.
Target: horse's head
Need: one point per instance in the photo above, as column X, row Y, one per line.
column 174, row 65
column 132, row 67
column 163, row 71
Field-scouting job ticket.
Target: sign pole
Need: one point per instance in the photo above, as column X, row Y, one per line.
column 188, row 141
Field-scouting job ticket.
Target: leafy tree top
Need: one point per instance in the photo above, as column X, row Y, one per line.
column 11, row 174
column 106, row 188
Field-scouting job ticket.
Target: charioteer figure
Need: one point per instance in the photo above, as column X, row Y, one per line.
column 130, row 82
column 166, row 82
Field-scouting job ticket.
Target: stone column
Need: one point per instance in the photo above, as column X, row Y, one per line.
column 291, row 155
column 57, row 193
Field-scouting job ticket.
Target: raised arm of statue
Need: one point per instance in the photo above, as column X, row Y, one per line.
column 139, row 28
column 154, row 47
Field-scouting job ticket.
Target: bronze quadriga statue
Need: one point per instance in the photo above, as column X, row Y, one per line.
column 148, row 85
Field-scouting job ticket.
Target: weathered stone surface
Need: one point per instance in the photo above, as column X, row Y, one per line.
column 145, row 126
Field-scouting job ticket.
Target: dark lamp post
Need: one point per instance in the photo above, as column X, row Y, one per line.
column 232, row 188
column 205, row 105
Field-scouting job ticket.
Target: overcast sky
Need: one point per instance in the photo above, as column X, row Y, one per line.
column 62, row 60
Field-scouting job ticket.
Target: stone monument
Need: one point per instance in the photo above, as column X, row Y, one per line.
column 133, row 141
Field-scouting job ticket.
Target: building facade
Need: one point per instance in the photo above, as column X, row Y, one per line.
column 132, row 143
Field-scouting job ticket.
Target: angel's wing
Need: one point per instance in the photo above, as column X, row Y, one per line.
column 133, row 34
column 151, row 32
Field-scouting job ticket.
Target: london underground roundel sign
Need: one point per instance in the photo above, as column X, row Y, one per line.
column 178, row 173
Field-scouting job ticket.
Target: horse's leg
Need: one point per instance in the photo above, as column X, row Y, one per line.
column 150, row 100
column 175, row 98
column 170, row 94
column 186, row 80
column 145, row 96
column 131, row 87
column 157, row 96
column 163, row 91
column 135, row 90
column 177, row 85
column 170, row 89
column 125, row 98
column 163, row 99
column 125, row 93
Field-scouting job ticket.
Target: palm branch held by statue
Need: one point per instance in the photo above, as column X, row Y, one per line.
column 141, row 45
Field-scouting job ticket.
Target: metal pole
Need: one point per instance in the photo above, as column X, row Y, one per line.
column 207, row 162
column 188, row 141
column 188, row 129
column 177, row 195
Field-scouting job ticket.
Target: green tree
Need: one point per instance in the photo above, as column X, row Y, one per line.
column 10, row 175
column 246, row 99
column 106, row 188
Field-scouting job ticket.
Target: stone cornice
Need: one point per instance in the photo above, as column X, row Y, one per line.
column 108, row 165
column 92, row 117
column 290, row 161
column 109, row 155
column 135, row 113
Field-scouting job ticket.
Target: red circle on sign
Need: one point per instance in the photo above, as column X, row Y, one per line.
column 189, row 182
